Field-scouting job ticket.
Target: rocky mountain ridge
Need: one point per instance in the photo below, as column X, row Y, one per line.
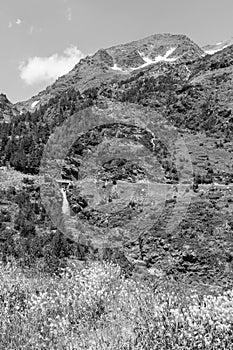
column 212, row 49
column 117, row 63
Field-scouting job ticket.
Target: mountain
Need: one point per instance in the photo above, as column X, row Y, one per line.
column 118, row 63
column 164, row 81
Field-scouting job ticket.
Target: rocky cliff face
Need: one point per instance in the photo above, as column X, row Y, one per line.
column 7, row 109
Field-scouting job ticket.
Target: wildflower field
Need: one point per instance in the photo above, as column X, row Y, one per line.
column 96, row 307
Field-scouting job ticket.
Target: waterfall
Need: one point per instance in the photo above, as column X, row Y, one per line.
column 65, row 203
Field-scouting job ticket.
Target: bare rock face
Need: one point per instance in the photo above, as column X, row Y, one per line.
column 102, row 56
column 7, row 109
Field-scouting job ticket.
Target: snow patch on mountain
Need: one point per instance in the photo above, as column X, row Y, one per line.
column 157, row 59
column 148, row 61
column 212, row 49
column 169, row 52
column 115, row 67
column 33, row 105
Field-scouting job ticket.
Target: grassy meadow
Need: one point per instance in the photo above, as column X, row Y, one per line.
column 94, row 306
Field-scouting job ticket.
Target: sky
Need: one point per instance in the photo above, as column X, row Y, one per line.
column 43, row 39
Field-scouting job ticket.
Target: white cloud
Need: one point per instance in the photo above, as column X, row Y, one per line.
column 10, row 25
column 48, row 69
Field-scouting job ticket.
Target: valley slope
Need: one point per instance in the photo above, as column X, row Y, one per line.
column 187, row 94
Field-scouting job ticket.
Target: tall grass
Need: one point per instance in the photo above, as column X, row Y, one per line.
column 96, row 307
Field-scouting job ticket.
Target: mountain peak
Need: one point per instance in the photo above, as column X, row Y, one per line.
column 117, row 62
column 103, row 56
column 154, row 47
column 3, row 98
column 7, row 109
